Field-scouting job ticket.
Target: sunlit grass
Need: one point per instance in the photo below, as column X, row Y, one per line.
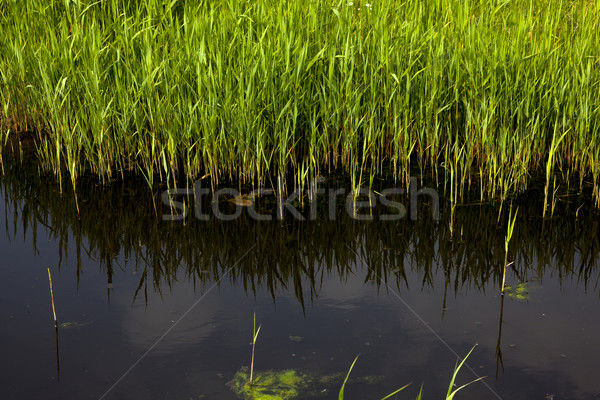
column 452, row 389
column 481, row 94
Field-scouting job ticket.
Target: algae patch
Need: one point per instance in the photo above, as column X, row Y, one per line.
column 269, row 385
column 288, row 384
column 73, row 325
column 520, row 292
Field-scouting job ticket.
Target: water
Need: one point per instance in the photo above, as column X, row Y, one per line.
column 164, row 310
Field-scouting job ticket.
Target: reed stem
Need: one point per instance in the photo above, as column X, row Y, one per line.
column 254, row 337
column 511, row 225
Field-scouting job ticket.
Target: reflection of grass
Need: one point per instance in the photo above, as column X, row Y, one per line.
column 293, row 256
column 484, row 91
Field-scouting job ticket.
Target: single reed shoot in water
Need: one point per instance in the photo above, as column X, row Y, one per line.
column 52, row 297
column 511, row 225
column 254, row 337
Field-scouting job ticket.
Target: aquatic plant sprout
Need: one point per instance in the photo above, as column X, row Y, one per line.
column 290, row 384
column 341, row 392
column 482, row 95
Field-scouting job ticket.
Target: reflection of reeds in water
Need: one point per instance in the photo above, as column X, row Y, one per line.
column 52, row 297
column 292, row 255
column 55, row 326
column 478, row 94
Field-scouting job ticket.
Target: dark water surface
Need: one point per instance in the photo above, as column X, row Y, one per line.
column 405, row 295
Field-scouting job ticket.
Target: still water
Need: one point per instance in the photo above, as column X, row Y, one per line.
column 151, row 309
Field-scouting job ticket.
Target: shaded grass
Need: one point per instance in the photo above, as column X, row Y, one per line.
column 479, row 94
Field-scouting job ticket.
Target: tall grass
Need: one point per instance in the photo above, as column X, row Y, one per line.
column 480, row 94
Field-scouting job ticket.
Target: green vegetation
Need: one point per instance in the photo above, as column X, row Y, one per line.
column 269, row 385
column 284, row 385
column 254, row 337
column 509, row 232
column 290, row 384
column 341, row 393
column 73, row 325
column 451, row 391
column 478, row 94
column 520, row 292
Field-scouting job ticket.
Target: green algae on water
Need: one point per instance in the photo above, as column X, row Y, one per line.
column 73, row 325
column 289, row 384
column 269, row 385
column 520, row 292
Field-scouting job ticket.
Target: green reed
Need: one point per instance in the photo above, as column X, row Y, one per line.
column 478, row 94
column 509, row 233
column 451, row 389
column 254, row 338
column 341, row 392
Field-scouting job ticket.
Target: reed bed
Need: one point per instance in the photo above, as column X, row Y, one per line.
column 485, row 95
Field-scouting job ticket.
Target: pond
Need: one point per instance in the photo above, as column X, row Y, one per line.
column 155, row 309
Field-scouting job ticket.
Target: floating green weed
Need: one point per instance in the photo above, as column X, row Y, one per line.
column 520, row 292
column 290, row 384
column 73, row 325
column 269, row 385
